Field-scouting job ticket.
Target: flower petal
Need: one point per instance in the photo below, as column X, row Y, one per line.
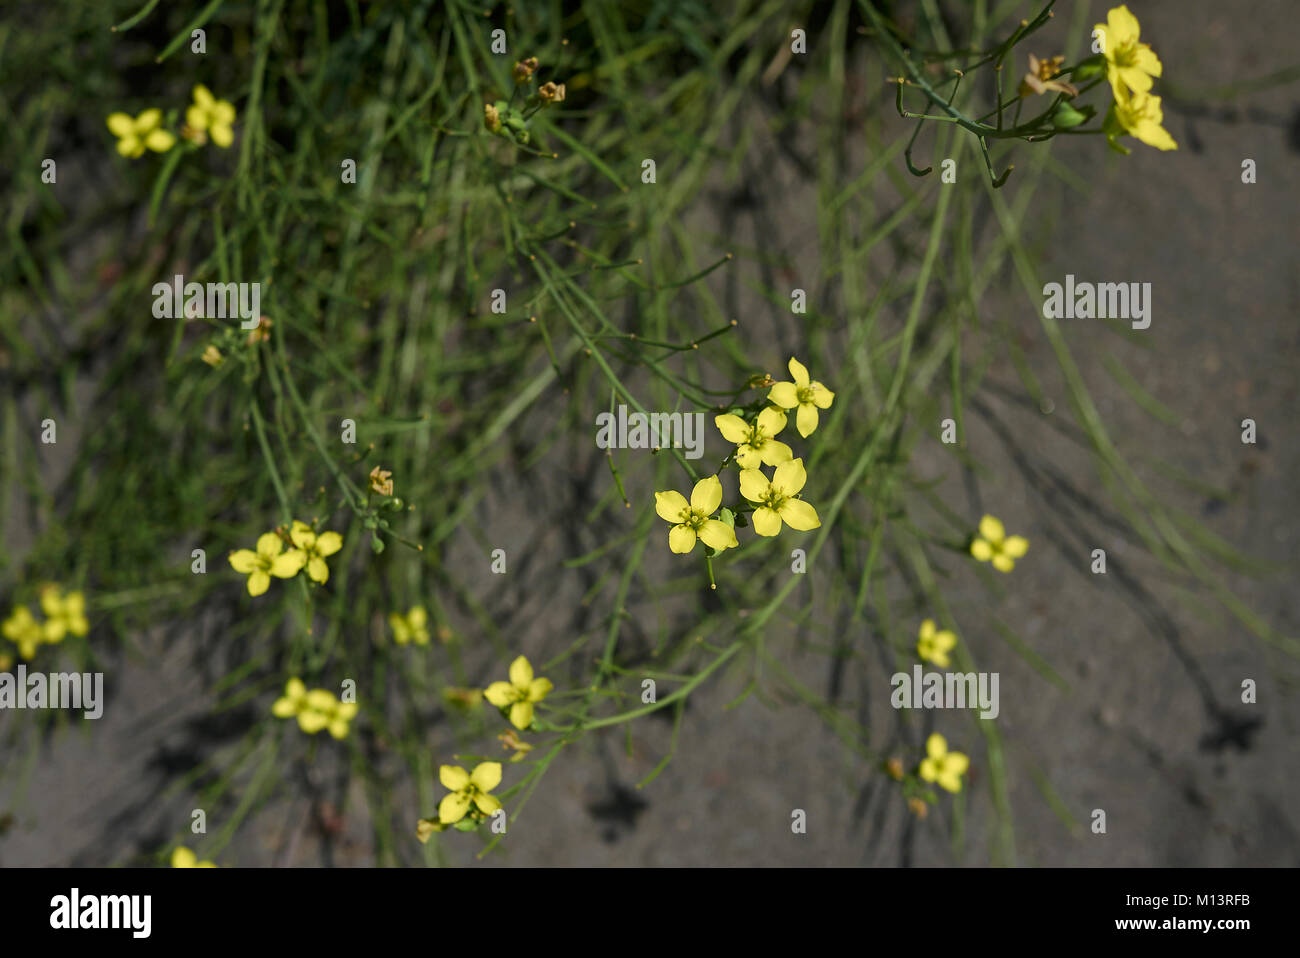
column 160, row 141
column 316, row 569
column 733, row 428
column 981, row 550
column 766, row 522
column 203, row 98
column 328, row 543
column 301, row 535
column 1015, row 546
column 269, row 544
column 148, row 121
column 681, row 539
column 753, row 484
column 707, row 495
column 196, row 118
column 521, row 672
column 287, row 566
column 776, row 452
column 670, row 505
column 806, row 419
column 1002, row 562
column 784, row 395
column 789, row 477
column 936, row 746
column 718, row 535
column 822, row 397
column 747, row 457
column 992, row 529
column 121, row 125
column 771, row 421
column 500, row 694
column 521, row 715
column 258, row 583
column 223, row 135
column 538, row 689
column 487, row 804
column 453, row 777
column 243, row 561
column 799, row 371
column 486, row 776
column 453, row 808
column 799, row 515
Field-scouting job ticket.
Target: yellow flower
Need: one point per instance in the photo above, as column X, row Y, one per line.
column 804, row 394
column 315, row 710
column 776, row 499
column 134, row 135
column 755, row 443
column 1129, row 63
column 63, row 614
column 994, row 544
column 412, row 627
column 212, row 356
column 23, row 630
column 182, row 857
column 315, row 548
column 270, row 559
column 468, row 788
column 691, row 519
column 1039, row 78
column 208, row 114
column 934, row 646
column 943, row 766
column 491, row 118
column 1141, row 116
column 519, row 693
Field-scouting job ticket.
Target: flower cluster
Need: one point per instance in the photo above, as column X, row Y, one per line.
column 772, row 500
column 315, row 709
column 1130, row 67
column 65, row 613
column 206, row 117
column 506, row 119
column 284, row 555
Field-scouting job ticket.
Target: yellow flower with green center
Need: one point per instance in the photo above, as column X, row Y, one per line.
column 1129, row 62
column 942, row 766
column 1141, row 116
column 314, row 710
column 776, row 498
column 182, row 857
column 23, row 630
column 315, row 548
column 212, row 116
column 468, row 788
column 520, row 693
column 63, row 614
column 270, row 559
column 993, row 544
column 754, row 441
column 412, row 627
column 803, row 394
column 136, row 134
column 691, row 520
column 933, row 645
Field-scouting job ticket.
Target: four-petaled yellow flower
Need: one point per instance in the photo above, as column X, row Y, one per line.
column 691, row 519
column 135, row 134
column 942, row 766
column 412, row 627
column 755, row 443
column 805, row 395
column 63, row 614
column 1141, row 116
column 23, row 630
column 776, row 498
column 182, row 857
column 314, row 549
column 934, row 645
column 212, row 116
column 519, row 693
column 1129, row 62
column 993, row 544
column 270, row 559
column 340, row 718
column 468, row 788
column 314, row 709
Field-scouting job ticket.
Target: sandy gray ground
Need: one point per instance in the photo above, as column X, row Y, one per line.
column 1150, row 729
